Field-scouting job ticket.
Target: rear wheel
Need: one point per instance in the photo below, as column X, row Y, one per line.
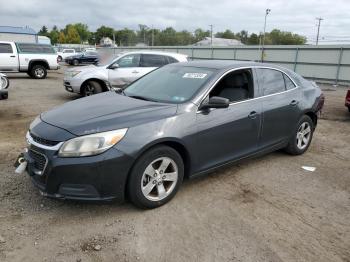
column 91, row 88
column 38, row 72
column 302, row 137
column 59, row 58
column 156, row 177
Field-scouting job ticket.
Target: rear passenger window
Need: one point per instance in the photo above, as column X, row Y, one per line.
column 271, row 81
column 5, row 49
column 288, row 82
column 149, row 60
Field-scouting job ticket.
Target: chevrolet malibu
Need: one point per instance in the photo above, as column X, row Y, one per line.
column 179, row 121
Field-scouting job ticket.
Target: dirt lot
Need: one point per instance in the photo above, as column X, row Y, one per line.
column 265, row 209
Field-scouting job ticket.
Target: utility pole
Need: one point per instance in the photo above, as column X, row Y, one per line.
column 263, row 42
column 318, row 28
column 152, row 36
column 211, row 35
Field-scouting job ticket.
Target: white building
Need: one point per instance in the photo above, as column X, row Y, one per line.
column 106, row 41
column 218, row 42
column 18, row 34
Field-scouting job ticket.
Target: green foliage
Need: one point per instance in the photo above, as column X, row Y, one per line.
column 103, row 31
column 78, row 33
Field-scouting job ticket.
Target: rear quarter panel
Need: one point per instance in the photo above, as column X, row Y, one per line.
column 25, row 59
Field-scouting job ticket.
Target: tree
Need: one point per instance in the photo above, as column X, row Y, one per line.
column 54, row 35
column 72, row 36
column 228, row 34
column 83, row 31
column 62, row 38
column 199, row 34
column 253, row 39
column 43, row 31
column 103, row 31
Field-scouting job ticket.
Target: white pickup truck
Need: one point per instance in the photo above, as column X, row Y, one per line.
column 34, row 59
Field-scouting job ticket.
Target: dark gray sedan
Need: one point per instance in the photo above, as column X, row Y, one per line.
column 182, row 120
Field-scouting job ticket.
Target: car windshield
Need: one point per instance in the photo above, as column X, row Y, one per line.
column 106, row 60
column 170, row 84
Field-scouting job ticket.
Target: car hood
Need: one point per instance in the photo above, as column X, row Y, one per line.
column 105, row 112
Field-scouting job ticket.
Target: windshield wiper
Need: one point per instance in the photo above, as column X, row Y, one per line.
column 143, row 98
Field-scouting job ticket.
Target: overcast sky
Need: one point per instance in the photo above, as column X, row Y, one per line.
column 292, row 15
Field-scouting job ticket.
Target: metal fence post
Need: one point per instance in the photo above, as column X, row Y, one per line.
column 296, row 59
column 212, row 53
column 234, row 53
column 192, row 53
column 339, row 65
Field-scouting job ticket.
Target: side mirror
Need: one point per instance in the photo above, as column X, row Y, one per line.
column 215, row 102
column 113, row 66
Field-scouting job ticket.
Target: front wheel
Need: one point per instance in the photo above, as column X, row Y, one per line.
column 4, row 82
column 59, row 59
column 38, row 72
column 91, row 88
column 156, row 177
column 302, row 137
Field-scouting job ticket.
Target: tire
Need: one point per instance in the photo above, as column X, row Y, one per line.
column 349, row 108
column 59, row 58
column 92, row 88
column 38, row 72
column 6, row 81
column 301, row 139
column 148, row 176
column 75, row 62
column 4, row 96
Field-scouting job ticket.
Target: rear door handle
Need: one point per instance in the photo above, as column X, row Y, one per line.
column 135, row 72
column 253, row 115
column 13, row 56
column 294, row 102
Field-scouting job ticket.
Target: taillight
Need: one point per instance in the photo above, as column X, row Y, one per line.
column 347, row 98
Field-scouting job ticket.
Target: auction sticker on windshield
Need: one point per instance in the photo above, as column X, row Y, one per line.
column 194, row 75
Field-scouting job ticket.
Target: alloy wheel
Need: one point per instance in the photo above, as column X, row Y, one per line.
column 89, row 90
column 39, row 72
column 159, row 179
column 303, row 135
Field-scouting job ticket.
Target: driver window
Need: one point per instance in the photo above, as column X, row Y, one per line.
column 129, row 61
column 235, row 86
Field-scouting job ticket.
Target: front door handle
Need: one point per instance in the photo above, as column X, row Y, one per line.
column 294, row 102
column 253, row 115
column 135, row 72
column 13, row 56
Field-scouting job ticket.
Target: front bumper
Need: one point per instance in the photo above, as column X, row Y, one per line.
column 72, row 84
column 98, row 178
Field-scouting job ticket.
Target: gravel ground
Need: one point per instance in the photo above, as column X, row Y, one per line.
column 263, row 209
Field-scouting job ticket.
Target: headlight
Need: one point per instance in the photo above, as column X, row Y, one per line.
column 72, row 73
column 91, row 144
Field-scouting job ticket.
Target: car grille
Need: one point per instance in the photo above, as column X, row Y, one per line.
column 43, row 141
column 39, row 160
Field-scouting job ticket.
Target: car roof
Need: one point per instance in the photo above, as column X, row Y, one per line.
column 155, row 53
column 225, row 64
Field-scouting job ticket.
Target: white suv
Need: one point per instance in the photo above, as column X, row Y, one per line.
column 117, row 73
